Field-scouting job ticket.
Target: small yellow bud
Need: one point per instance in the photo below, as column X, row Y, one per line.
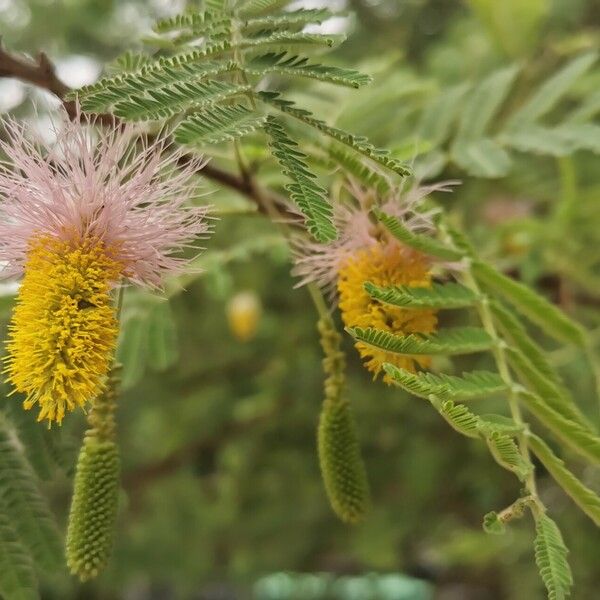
column 243, row 314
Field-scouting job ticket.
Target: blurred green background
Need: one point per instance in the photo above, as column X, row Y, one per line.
column 222, row 498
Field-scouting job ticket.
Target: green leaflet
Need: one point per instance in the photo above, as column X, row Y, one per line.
column 545, row 388
column 507, row 454
column 17, row 576
column 299, row 66
column 551, row 558
column 440, row 296
column 551, row 91
column 423, row 243
column 151, row 75
column 358, row 143
column 447, row 387
column 500, row 443
column 294, row 20
column 310, row 197
column 454, row 340
column 217, row 124
column 25, row 507
column 535, row 307
column 165, row 102
column 512, row 329
column 585, row 498
column 577, row 437
column 353, row 164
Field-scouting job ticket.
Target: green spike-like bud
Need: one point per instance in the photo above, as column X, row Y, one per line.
column 95, row 501
column 94, row 508
column 342, row 467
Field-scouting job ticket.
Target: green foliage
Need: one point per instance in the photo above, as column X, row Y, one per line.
column 447, row 295
column 574, row 435
column 299, row 66
column 425, row 244
column 455, row 340
column 25, row 507
column 94, row 508
column 447, row 387
column 218, row 124
column 551, row 558
column 530, row 304
column 486, row 153
column 310, row 197
column 586, row 499
column 17, row 577
column 358, row 143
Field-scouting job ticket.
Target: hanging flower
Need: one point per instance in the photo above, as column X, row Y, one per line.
column 365, row 251
column 77, row 217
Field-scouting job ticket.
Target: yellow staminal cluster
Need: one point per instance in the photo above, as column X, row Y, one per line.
column 64, row 328
column 384, row 265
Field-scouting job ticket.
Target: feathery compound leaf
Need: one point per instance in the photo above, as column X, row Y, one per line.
column 447, row 295
column 502, row 446
column 356, row 167
column 298, row 66
column 165, row 102
column 218, row 124
column 196, row 22
column 17, row 576
column 423, row 243
column 459, row 417
column 455, row 340
column 551, row 91
column 358, row 143
column 289, row 21
column 551, row 558
column 24, row 505
column 545, row 388
column 251, row 8
column 94, row 508
column 152, row 76
column 287, row 41
column 128, row 62
column 574, row 435
column 507, row 454
column 310, row 197
column 516, row 333
column 446, row 387
column 535, row 307
column 585, row 498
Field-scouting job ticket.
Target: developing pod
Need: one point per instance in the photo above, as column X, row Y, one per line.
column 94, row 508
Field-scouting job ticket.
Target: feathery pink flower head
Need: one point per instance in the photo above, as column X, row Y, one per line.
column 129, row 193
column 320, row 263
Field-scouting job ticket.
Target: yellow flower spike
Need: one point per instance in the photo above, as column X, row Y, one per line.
column 384, row 265
column 64, row 329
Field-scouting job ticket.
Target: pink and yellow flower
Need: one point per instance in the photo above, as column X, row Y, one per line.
column 78, row 217
column 367, row 252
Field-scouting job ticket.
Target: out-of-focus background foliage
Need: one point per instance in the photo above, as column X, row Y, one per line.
column 221, row 490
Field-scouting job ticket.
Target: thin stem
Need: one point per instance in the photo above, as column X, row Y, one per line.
column 319, row 301
column 502, row 364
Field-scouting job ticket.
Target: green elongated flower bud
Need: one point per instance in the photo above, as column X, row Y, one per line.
column 95, row 501
column 94, row 508
column 342, row 467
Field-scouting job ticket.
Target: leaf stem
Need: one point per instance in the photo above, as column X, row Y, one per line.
column 487, row 321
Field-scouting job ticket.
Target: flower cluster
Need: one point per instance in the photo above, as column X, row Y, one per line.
column 77, row 218
column 366, row 252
